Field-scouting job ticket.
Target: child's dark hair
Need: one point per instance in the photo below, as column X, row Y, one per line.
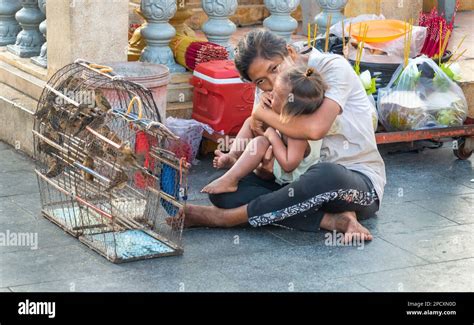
column 258, row 43
column 307, row 89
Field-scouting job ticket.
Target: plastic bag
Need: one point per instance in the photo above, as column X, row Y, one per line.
column 190, row 136
column 421, row 96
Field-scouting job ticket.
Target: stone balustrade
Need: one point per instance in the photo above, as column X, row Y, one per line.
column 23, row 25
column 42, row 59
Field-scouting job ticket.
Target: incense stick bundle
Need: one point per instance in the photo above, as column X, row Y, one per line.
column 315, row 34
column 190, row 51
column 328, row 26
column 363, row 29
column 438, row 32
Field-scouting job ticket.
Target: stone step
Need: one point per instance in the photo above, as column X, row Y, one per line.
column 16, row 114
column 21, row 80
column 180, row 110
column 181, row 92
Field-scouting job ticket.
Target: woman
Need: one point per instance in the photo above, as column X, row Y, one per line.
column 349, row 181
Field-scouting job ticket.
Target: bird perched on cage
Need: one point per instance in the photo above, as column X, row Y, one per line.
column 94, row 148
column 118, row 182
column 126, row 157
column 83, row 109
column 89, row 163
column 101, row 103
column 45, row 147
column 55, row 167
column 43, row 113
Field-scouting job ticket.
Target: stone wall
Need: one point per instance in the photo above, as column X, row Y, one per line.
column 389, row 8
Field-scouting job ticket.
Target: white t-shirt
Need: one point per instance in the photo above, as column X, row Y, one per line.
column 351, row 140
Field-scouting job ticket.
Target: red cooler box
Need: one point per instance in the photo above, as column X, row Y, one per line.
column 221, row 99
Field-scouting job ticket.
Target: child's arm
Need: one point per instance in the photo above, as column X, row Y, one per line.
column 311, row 127
column 288, row 157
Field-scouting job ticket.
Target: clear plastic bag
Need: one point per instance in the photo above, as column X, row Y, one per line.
column 421, row 96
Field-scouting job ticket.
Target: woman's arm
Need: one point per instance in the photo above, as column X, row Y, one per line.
column 288, row 157
column 305, row 127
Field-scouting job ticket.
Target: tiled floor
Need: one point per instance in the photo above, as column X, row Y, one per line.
column 423, row 241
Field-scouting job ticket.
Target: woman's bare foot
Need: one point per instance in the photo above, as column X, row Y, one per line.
column 194, row 216
column 221, row 185
column 223, row 160
column 347, row 223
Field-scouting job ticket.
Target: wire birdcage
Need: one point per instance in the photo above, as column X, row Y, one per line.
column 101, row 165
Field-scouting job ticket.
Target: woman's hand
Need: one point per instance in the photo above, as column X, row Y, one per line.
column 256, row 126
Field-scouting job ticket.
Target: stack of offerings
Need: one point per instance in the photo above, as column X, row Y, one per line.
column 101, row 164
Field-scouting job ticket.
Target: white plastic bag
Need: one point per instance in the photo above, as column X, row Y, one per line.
column 421, row 96
column 190, row 136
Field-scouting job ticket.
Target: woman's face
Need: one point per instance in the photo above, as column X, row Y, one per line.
column 263, row 72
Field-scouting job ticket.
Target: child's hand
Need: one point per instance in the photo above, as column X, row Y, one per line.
column 266, row 99
column 270, row 133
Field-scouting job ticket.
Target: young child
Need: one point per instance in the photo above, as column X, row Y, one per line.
column 303, row 90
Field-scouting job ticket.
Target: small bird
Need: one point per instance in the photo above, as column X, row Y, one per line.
column 119, row 181
column 89, row 163
column 43, row 113
column 83, row 109
column 55, row 167
column 101, row 103
column 93, row 148
column 46, row 148
column 126, row 157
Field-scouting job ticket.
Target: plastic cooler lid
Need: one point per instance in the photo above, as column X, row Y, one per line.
column 223, row 69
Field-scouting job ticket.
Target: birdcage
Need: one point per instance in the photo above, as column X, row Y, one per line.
column 103, row 170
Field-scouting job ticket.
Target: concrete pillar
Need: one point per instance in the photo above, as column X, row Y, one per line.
column 29, row 40
column 158, row 32
column 331, row 8
column 94, row 30
column 9, row 27
column 219, row 28
column 280, row 21
column 309, row 9
column 42, row 59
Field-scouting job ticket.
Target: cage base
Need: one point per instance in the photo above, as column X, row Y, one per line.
column 53, row 219
column 129, row 245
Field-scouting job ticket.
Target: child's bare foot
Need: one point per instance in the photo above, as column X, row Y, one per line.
column 223, row 160
column 221, row 185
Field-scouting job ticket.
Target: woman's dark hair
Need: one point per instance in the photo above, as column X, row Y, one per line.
column 259, row 43
column 307, row 89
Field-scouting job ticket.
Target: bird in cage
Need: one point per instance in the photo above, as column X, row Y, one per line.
column 55, row 167
column 89, row 163
column 126, row 157
column 83, row 109
column 118, row 182
column 101, row 103
column 45, row 147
